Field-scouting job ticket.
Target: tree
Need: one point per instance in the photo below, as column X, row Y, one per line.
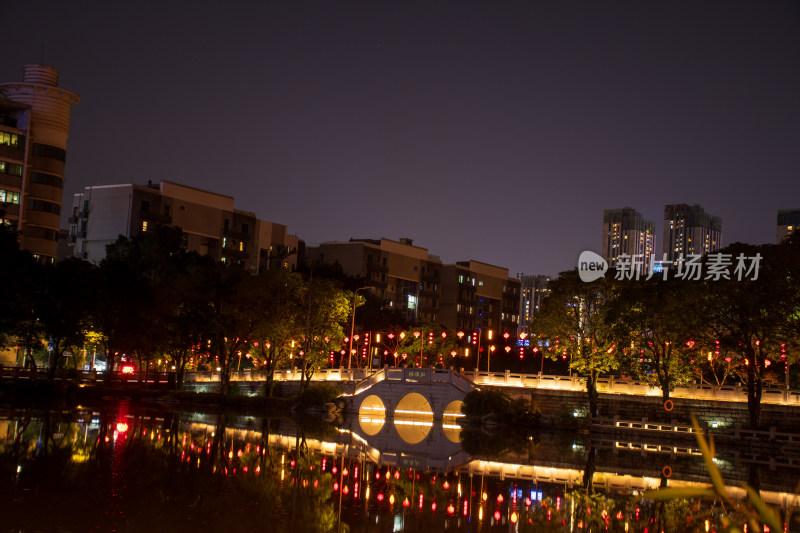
column 432, row 346
column 573, row 320
column 747, row 317
column 277, row 299
column 327, row 309
column 19, row 324
column 64, row 307
column 654, row 322
column 230, row 317
column 183, row 326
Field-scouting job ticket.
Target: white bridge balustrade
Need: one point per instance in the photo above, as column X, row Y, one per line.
column 607, row 385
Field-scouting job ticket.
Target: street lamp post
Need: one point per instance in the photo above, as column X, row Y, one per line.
column 353, row 326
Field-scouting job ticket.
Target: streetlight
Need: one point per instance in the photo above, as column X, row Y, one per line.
column 353, row 325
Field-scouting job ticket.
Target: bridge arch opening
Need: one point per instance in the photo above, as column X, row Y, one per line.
column 372, row 414
column 413, row 418
column 452, row 412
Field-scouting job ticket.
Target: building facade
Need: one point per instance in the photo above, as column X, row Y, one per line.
column 533, row 289
column 406, row 276
column 34, row 127
column 478, row 296
column 210, row 223
column 688, row 230
column 626, row 231
column 788, row 222
column 467, row 296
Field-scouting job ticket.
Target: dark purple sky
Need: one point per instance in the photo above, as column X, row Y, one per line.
column 494, row 131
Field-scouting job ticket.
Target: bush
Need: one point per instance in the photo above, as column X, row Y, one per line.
column 317, row 394
column 478, row 404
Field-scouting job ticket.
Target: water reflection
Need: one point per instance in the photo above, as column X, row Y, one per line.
column 116, row 468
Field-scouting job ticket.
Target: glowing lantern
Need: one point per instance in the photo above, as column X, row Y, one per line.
column 445, row 485
column 122, row 427
column 528, row 502
column 514, row 517
column 499, row 498
column 406, row 503
column 380, row 496
column 391, row 499
column 497, row 516
column 451, row 509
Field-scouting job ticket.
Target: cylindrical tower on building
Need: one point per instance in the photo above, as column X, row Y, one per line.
column 41, row 125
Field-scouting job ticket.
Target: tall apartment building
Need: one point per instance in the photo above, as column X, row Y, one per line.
column 34, row 127
column 210, row 223
column 626, row 231
column 533, row 290
column 406, row 276
column 479, row 296
column 688, row 229
column 788, row 223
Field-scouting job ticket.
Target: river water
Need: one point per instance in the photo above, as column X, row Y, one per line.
column 118, row 467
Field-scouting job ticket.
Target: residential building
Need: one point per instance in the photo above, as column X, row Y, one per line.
column 34, row 127
column 626, row 231
column 788, row 222
column 689, row 230
column 479, row 296
column 210, row 223
column 533, row 290
column 406, row 276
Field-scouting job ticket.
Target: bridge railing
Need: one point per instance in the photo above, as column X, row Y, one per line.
column 612, row 385
column 607, row 385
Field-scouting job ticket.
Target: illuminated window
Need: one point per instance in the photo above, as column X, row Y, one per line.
column 9, row 197
column 9, row 139
column 144, row 225
column 10, row 168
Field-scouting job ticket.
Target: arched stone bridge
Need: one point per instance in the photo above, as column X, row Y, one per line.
column 426, row 393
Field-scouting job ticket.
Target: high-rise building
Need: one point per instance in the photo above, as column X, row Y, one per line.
column 210, row 223
column 626, row 231
column 533, row 290
column 788, row 223
column 34, row 127
column 689, row 230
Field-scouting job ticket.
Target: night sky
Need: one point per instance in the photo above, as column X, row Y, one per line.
column 494, row 131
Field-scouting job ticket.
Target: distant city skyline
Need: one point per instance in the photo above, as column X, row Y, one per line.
column 498, row 133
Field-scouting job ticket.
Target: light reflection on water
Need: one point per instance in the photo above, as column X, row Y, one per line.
column 115, row 468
